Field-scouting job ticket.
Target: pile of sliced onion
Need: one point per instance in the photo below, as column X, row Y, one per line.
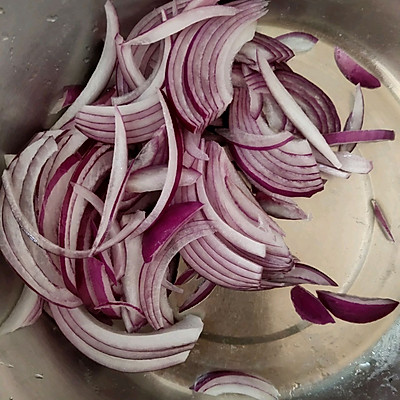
column 142, row 168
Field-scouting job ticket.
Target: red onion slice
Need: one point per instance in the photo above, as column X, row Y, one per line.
column 294, row 112
column 382, row 220
column 359, row 310
column 152, row 178
column 371, row 135
column 25, row 312
column 255, row 142
column 175, row 148
column 353, row 71
column 136, row 352
column 169, row 222
column 302, row 273
column 103, row 71
column 309, row 307
column 115, row 188
column 299, row 42
column 153, row 299
column 180, row 22
column 234, row 382
column 130, row 281
column 279, row 206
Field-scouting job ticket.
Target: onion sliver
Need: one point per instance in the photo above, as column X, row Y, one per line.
column 103, row 71
column 356, row 309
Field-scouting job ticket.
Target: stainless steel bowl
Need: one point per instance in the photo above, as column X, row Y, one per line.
column 47, row 44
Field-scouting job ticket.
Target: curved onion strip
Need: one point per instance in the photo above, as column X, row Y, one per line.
column 356, row 118
column 127, row 64
column 91, row 171
column 173, row 219
column 235, row 382
column 119, row 251
column 294, row 112
column 130, row 280
column 175, row 147
column 381, row 219
column 152, row 178
column 279, row 206
column 183, row 333
column 115, row 187
column 356, row 309
column 153, row 273
column 309, row 307
column 103, row 71
column 13, row 247
column 25, row 189
column 255, row 142
column 371, row 135
column 25, row 312
column 299, row 42
column 354, row 72
column 180, row 22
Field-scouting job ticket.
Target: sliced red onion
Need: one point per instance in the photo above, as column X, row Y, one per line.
column 103, row 71
column 152, row 292
column 302, row 273
column 355, row 309
column 237, row 238
column 255, row 142
column 180, row 22
column 372, row 135
column 354, row 163
column 13, row 247
column 175, row 147
column 192, row 148
column 70, row 94
column 142, row 120
column 25, row 312
column 338, row 173
column 353, row 71
column 356, row 118
column 199, row 295
column 133, row 319
column 90, row 173
column 171, row 220
column 312, row 100
column 94, row 287
column 234, row 382
column 152, row 178
column 280, row 206
column 382, row 220
column 309, row 307
column 299, row 42
column 115, row 188
column 294, row 112
column 128, row 65
column 128, row 352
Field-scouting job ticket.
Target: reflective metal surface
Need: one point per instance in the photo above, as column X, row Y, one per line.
column 47, row 44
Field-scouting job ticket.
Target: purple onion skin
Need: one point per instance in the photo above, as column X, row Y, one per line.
column 354, row 72
column 355, row 309
column 309, row 307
